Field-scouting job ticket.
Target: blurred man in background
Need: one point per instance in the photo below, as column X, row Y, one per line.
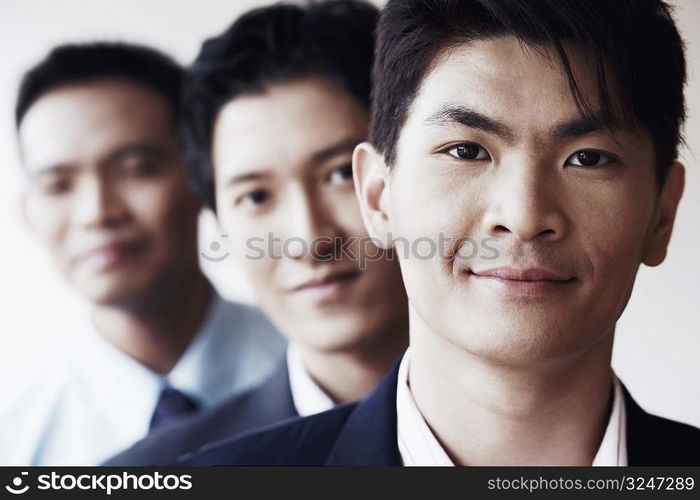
column 274, row 107
column 107, row 195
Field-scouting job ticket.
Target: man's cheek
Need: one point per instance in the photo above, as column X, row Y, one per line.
column 59, row 249
column 614, row 264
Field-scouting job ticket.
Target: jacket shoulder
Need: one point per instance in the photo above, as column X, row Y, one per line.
column 665, row 442
column 657, row 441
column 165, row 445
column 299, row 441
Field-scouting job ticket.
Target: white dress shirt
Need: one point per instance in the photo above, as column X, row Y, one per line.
column 95, row 401
column 307, row 396
column 418, row 446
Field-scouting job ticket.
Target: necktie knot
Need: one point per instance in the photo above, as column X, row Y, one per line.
column 172, row 403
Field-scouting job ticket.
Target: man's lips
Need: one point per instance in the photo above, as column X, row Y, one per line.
column 524, row 281
column 524, row 274
column 330, row 288
column 328, row 279
column 111, row 253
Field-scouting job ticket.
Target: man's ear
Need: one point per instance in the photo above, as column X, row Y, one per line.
column 660, row 234
column 371, row 177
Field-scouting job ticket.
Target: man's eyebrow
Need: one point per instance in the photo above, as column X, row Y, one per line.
column 148, row 149
column 585, row 125
column 342, row 146
column 464, row 115
column 58, row 169
column 246, row 176
column 140, row 148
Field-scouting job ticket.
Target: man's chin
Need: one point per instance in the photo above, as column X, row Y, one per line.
column 339, row 334
column 111, row 293
column 522, row 345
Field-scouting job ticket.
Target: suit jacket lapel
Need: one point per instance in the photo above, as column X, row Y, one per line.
column 269, row 403
column 653, row 440
column 369, row 434
column 274, row 398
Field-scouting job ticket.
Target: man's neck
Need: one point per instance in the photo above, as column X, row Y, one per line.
column 350, row 375
column 489, row 414
column 158, row 334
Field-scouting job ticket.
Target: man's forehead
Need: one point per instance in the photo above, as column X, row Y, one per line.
column 74, row 124
column 496, row 68
column 505, row 78
column 294, row 126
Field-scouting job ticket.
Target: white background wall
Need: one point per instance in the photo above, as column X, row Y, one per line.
column 658, row 340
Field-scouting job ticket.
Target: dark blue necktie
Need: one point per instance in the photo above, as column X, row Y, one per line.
column 172, row 403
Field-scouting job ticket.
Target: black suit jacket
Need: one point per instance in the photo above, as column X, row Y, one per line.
column 269, row 403
column 364, row 434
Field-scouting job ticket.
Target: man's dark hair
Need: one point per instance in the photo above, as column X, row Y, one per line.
column 636, row 40
column 79, row 63
column 333, row 39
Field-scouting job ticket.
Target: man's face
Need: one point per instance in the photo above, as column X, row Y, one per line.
column 107, row 192
column 283, row 169
column 495, row 147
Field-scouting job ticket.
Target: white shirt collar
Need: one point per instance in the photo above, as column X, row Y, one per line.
column 418, row 446
column 90, row 400
column 110, row 377
column 204, row 370
column 308, row 397
column 613, row 447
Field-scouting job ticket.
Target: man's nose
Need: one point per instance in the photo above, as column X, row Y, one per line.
column 98, row 203
column 525, row 201
column 313, row 230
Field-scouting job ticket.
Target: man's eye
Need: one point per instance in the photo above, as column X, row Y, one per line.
column 140, row 168
column 254, row 198
column 589, row 158
column 341, row 175
column 56, row 187
column 469, row 151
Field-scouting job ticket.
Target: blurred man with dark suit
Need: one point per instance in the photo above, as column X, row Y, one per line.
column 274, row 107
